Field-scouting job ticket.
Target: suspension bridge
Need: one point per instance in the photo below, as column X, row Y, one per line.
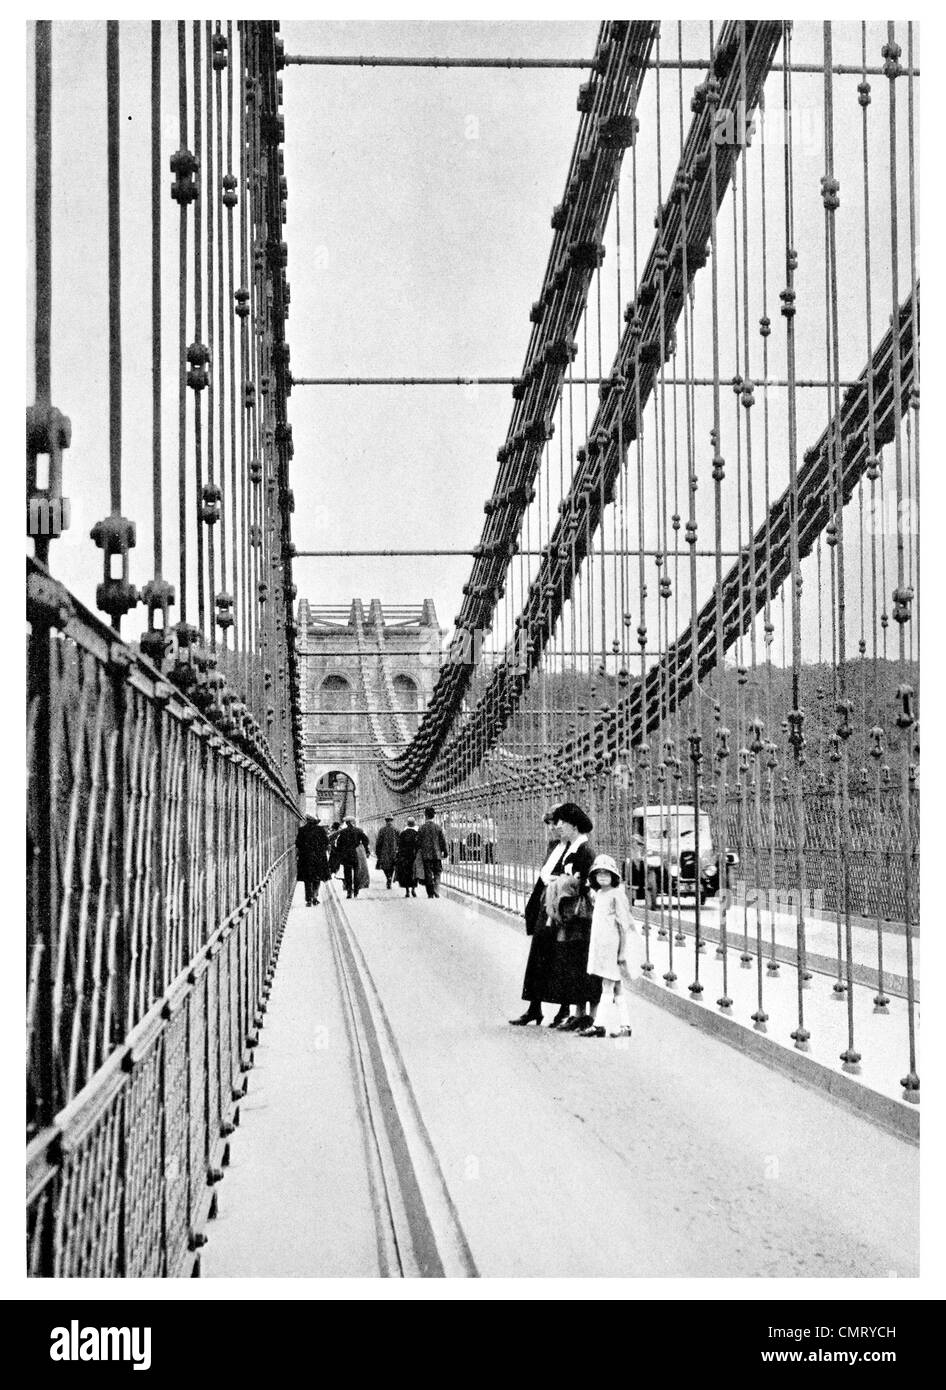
column 690, row 605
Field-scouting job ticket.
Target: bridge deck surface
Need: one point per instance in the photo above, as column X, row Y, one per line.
column 668, row 1155
column 297, row 1201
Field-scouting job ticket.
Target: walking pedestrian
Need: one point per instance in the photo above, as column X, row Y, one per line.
column 334, row 863
column 406, row 854
column 432, row 848
column 612, row 934
column 535, row 982
column 385, row 849
column 312, row 858
column 350, row 838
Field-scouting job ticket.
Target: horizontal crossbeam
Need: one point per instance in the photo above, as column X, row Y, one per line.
column 514, row 381
column 334, row 60
column 526, row 554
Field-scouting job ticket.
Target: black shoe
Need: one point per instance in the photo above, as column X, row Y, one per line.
column 559, row 1018
column 571, row 1024
column 530, row 1016
column 347, row 895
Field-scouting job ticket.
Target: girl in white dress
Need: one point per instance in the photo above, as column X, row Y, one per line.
column 613, row 936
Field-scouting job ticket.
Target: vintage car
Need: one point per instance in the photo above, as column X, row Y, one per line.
column 663, row 855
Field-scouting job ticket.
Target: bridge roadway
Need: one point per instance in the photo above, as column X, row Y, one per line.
column 522, row 1152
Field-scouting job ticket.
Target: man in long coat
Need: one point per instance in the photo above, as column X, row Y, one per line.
column 346, row 847
column 432, row 848
column 312, row 858
column 385, row 848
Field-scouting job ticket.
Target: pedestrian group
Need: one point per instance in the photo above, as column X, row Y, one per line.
column 412, row 856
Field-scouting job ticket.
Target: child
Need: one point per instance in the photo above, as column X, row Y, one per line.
column 612, row 930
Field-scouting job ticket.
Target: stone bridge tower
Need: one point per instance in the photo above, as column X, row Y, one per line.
column 367, row 676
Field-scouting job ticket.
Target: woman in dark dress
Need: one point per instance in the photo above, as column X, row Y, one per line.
column 542, row 932
column 569, row 984
column 312, row 858
column 406, row 854
column 558, row 958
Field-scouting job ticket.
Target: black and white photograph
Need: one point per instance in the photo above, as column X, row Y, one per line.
column 473, row 663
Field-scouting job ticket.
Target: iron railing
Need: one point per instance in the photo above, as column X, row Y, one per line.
column 160, row 875
column 164, row 772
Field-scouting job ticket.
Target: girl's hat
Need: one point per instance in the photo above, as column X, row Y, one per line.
column 604, row 863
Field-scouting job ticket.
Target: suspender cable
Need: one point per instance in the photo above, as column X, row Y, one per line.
column 745, row 959
column 187, row 182
column 223, row 603
column 771, row 750
column 643, row 750
column 47, row 430
column 673, row 747
column 796, row 716
column 114, row 272
column 902, row 597
column 695, row 738
column 232, row 199
column 156, row 288
column 43, row 215
column 843, row 707
column 914, row 303
column 198, row 354
column 158, row 594
column 874, row 464
column 751, row 746
column 115, row 536
column 209, row 505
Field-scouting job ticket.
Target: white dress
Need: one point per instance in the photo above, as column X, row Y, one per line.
column 611, row 910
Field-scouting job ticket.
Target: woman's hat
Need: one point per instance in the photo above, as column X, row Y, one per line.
column 575, row 816
column 411, row 820
column 606, row 863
